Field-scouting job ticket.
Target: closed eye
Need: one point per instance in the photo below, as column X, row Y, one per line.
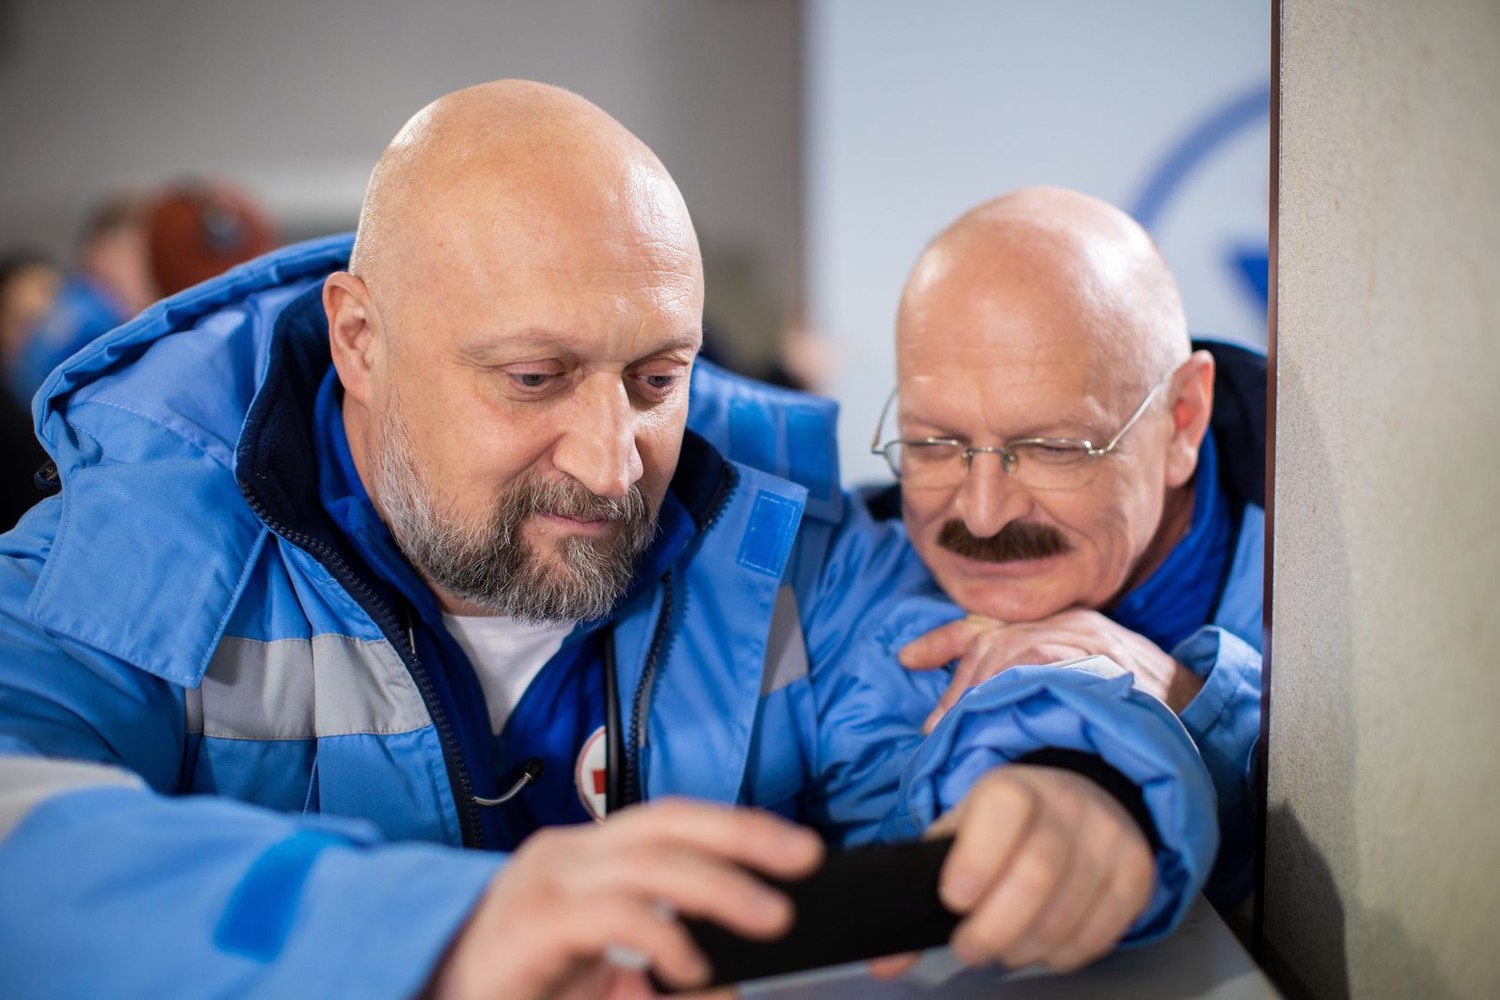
column 658, row 386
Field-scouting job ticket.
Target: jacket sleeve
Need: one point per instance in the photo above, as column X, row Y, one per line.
column 880, row 779
column 1224, row 721
column 114, row 886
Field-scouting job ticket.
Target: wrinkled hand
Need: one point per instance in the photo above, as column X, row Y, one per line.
column 571, row 894
column 984, row 647
column 1047, row 866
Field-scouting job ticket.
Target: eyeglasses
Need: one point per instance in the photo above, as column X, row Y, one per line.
column 1038, row 463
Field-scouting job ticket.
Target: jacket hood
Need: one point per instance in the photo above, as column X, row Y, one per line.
column 218, row 316
column 142, row 425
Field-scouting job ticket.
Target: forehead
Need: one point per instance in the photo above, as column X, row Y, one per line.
column 604, row 285
column 1013, row 336
column 995, row 399
column 981, row 370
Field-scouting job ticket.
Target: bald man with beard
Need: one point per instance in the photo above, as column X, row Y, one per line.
column 1057, row 475
column 400, row 629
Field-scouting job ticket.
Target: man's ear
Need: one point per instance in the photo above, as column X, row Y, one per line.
column 1192, row 402
column 351, row 333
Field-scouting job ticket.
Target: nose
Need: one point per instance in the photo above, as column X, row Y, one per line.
column 990, row 497
column 596, row 438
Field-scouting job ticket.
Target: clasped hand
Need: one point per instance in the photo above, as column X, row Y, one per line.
column 984, row 647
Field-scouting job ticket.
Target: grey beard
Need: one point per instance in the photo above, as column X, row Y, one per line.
column 488, row 564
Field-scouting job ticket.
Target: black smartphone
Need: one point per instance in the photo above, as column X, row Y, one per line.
column 861, row 903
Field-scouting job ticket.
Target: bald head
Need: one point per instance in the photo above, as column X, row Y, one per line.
column 1047, row 314
column 488, row 173
column 1057, row 272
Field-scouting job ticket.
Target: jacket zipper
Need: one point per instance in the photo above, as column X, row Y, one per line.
column 638, row 703
column 470, row 828
column 633, row 790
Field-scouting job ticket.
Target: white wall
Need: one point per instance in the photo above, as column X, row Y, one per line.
column 297, row 99
column 1383, row 847
column 918, row 111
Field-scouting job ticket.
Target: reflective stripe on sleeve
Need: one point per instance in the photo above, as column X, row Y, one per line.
column 26, row 782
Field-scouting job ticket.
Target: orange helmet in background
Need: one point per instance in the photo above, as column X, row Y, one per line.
column 199, row 229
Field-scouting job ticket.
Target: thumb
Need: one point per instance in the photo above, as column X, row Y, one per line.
column 943, row 644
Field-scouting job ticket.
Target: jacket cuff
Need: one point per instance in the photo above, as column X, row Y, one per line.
column 1224, row 720
column 1222, row 678
column 1119, row 787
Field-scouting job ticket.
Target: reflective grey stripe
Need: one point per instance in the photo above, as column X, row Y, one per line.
column 293, row 689
column 786, row 649
column 26, row 782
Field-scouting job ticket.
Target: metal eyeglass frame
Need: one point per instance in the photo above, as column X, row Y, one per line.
column 1008, row 458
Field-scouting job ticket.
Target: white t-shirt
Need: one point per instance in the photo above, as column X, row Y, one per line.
column 507, row 655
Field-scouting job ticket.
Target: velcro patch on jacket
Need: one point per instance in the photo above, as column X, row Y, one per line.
column 261, row 909
column 768, row 536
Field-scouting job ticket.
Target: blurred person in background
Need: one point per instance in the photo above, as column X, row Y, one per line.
column 29, row 285
column 110, row 283
column 133, row 250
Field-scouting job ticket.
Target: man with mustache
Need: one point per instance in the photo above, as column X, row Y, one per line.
column 367, row 554
column 1056, row 476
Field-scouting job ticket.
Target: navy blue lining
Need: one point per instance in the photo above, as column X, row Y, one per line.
column 1181, row 594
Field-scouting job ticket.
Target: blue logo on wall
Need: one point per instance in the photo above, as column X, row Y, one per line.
column 1246, row 260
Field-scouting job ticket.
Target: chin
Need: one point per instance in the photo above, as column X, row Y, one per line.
column 1008, row 603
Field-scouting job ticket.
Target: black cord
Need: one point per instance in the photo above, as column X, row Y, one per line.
column 614, row 731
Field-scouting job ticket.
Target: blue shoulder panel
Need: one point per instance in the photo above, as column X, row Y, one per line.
column 783, row 432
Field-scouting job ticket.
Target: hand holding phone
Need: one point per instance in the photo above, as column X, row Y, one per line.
column 860, row 904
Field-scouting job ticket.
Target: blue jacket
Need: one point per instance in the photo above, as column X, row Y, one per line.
column 224, row 765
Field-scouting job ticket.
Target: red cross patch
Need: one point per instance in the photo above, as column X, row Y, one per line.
column 591, row 774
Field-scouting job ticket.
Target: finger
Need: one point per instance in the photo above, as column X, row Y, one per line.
column 1118, row 907
column 993, row 821
column 621, row 925
column 751, row 837
column 1013, row 902
column 950, row 697
column 1057, row 923
column 955, row 691
column 722, row 993
column 1043, row 653
column 894, row 966
column 984, row 657
column 689, row 883
column 1108, row 879
column 941, row 646
column 1036, row 864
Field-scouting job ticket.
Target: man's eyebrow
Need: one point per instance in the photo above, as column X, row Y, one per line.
column 689, row 342
column 524, row 342
column 1065, row 427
